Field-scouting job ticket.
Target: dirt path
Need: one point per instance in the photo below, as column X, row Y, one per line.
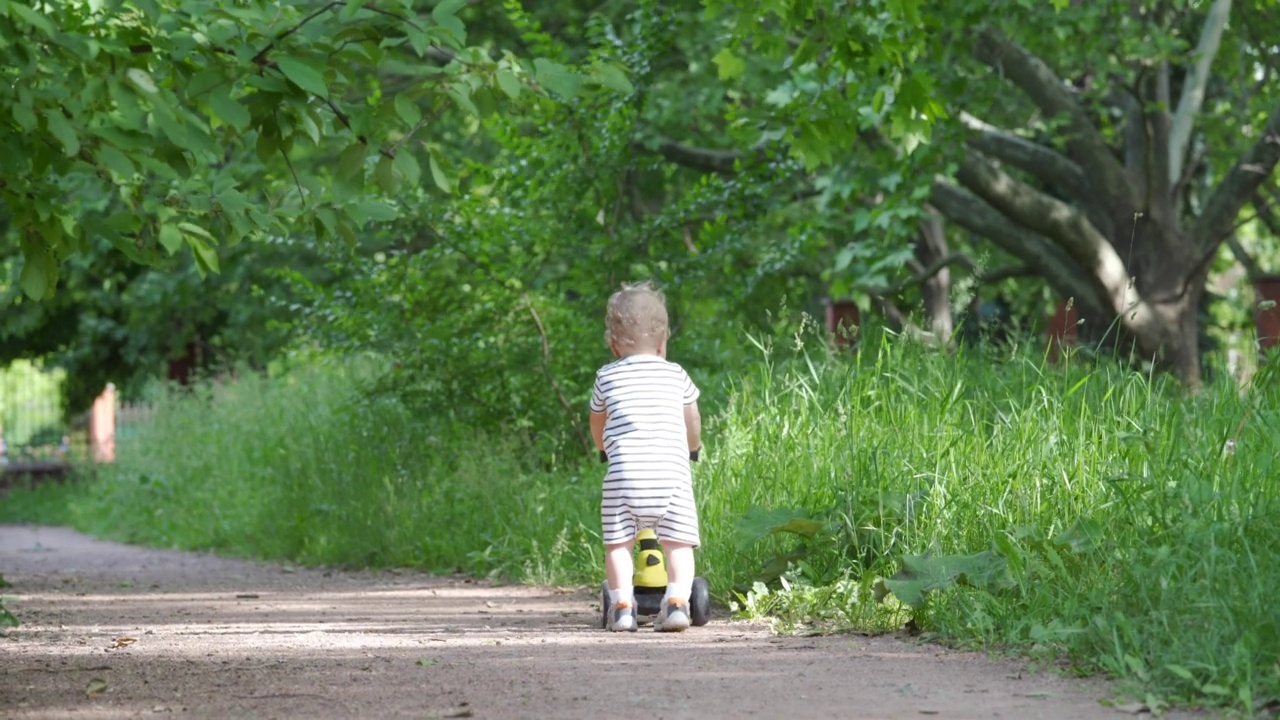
column 112, row 631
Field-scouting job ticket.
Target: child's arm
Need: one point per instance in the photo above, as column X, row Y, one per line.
column 597, row 428
column 693, row 425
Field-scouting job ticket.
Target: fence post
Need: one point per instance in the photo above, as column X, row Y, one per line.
column 842, row 322
column 1062, row 330
column 102, row 426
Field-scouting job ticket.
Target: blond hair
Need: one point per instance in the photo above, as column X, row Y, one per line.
column 636, row 318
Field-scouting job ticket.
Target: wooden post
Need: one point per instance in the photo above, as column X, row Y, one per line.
column 1062, row 330
column 842, row 322
column 102, row 426
column 1266, row 311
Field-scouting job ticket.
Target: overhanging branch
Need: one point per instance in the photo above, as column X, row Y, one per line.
column 1045, row 258
column 1045, row 163
column 1031, row 75
column 1064, row 225
column 696, row 158
column 1240, row 183
column 1193, row 86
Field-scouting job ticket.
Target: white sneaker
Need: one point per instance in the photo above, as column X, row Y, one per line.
column 623, row 617
column 674, row 617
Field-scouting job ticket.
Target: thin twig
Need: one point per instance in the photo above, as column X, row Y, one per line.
column 301, row 194
column 546, row 369
column 262, row 54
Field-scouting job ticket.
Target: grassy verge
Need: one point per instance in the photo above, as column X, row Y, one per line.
column 1084, row 513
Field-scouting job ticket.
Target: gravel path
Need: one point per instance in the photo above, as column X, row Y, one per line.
column 114, row 631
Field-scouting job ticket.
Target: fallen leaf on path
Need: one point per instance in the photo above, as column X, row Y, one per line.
column 124, row 642
column 97, row 686
column 425, row 663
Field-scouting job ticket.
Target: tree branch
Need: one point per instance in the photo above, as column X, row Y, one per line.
column 1193, row 86
column 1040, row 161
column 1030, row 74
column 1066, row 226
column 551, row 378
column 1240, row 183
column 1047, row 259
column 696, row 158
column 924, row 273
column 1251, row 266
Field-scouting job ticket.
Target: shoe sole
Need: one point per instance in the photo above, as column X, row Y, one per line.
column 680, row 625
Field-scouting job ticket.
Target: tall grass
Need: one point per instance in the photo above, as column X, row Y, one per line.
column 309, row 468
column 1136, row 528
column 1120, row 529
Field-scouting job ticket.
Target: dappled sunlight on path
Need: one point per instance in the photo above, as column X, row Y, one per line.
column 111, row 631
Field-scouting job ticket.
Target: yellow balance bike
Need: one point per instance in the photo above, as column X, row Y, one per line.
column 650, row 580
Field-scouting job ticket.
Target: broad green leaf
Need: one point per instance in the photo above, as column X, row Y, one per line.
column 206, row 256
column 556, row 77
column 509, row 83
column 613, row 77
column 115, row 161
column 196, row 231
column 304, row 75
column 438, row 174
column 445, row 15
column 1084, row 535
column 921, row 574
column 728, row 65
column 24, row 12
column 170, row 238
column 461, row 93
column 377, row 211
column 349, row 11
column 446, row 8
column 141, row 79
column 408, row 110
column 267, row 144
column 347, row 234
column 351, row 161
column 758, row 523
column 34, row 278
column 25, row 117
column 233, row 201
column 407, row 165
column 228, row 109
column 385, row 174
column 60, row 128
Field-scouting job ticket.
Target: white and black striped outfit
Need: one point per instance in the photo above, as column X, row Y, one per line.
column 648, row 483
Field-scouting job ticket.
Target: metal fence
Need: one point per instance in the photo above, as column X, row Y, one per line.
column 32, row 430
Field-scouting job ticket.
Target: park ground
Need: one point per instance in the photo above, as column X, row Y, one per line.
column 115, row 631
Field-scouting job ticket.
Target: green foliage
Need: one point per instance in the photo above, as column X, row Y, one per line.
column 196, row 122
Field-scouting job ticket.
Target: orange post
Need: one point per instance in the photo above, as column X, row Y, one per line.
column 102, row 426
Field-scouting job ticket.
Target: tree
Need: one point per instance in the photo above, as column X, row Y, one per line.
column 1080, row 141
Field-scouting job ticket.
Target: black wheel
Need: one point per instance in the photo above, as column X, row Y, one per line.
column 604, row 605
column 700, row 602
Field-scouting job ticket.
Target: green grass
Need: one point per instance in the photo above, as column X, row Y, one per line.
column 1096, row 512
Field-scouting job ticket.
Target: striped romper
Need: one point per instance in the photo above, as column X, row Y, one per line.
column 648, row 483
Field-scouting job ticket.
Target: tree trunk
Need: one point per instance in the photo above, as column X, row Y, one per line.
column 931, row 246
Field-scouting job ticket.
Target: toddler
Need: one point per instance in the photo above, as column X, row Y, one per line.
column 644, row 416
